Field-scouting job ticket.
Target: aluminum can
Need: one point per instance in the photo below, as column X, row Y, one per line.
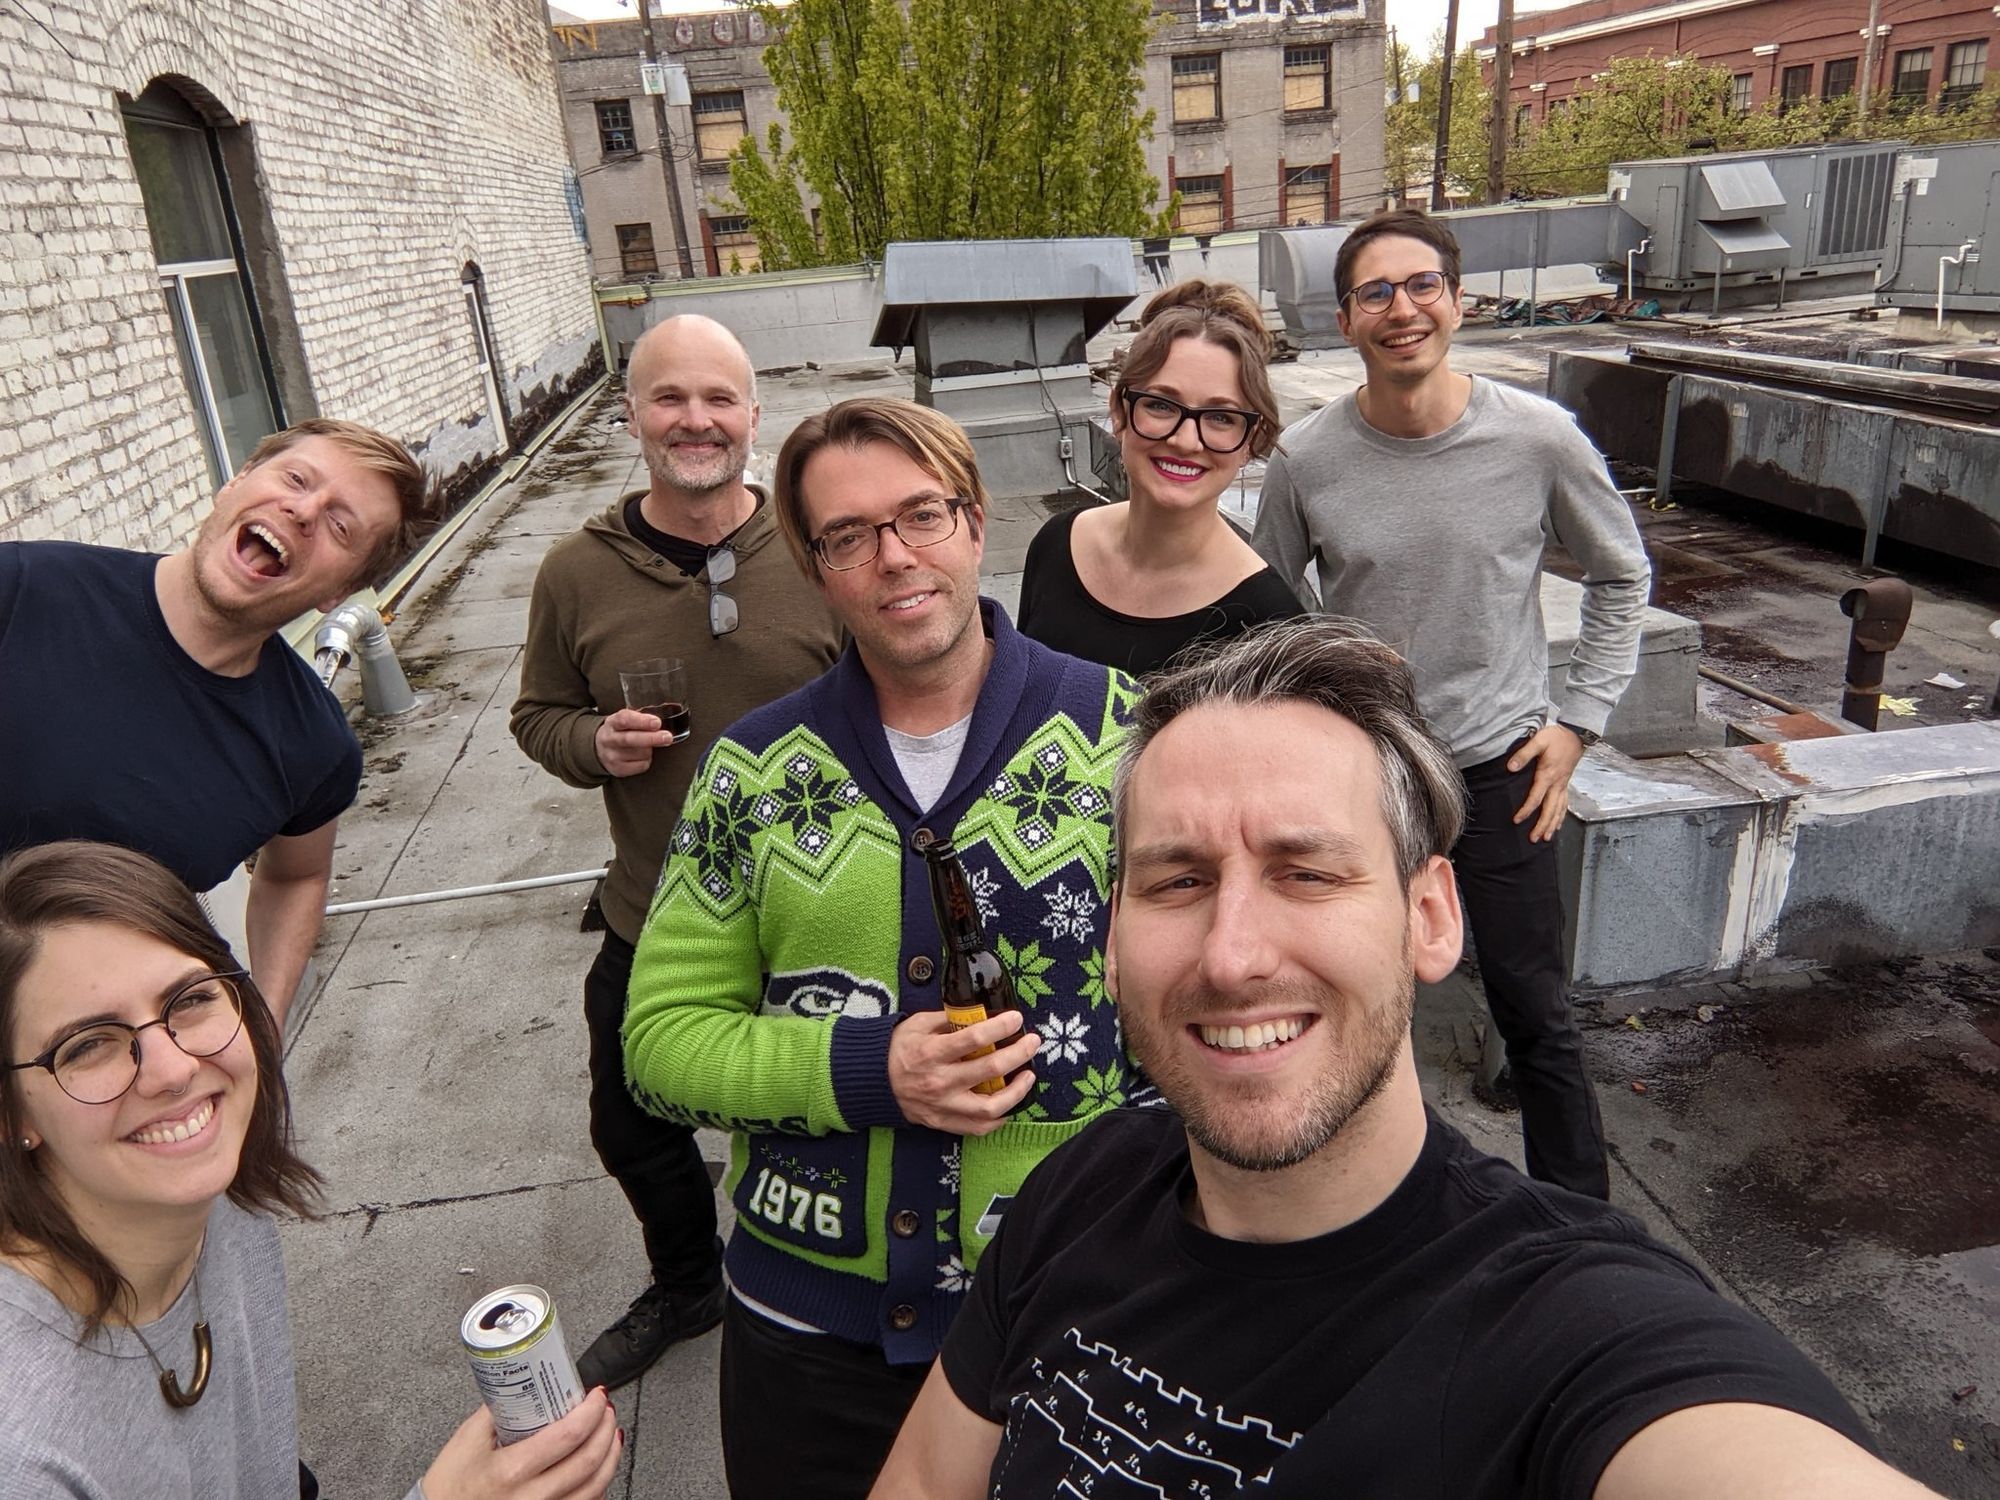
column 523, row 1368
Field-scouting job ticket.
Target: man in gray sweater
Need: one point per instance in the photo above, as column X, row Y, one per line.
column 1426, row 498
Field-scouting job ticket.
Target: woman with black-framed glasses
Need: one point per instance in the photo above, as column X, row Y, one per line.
column 145, row 1143
column 1133, row 584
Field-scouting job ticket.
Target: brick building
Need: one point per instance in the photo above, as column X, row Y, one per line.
column 221, row 216
column 1930, row 52
column 1265, row 112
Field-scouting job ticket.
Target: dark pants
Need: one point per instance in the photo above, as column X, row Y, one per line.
column 1514, row 907
column 656, row 1163
column 806, row 1416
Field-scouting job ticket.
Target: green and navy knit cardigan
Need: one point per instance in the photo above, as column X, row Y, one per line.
column 792, row 929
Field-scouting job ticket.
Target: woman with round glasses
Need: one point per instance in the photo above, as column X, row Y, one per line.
column 1132, row 584
column 146, row 1146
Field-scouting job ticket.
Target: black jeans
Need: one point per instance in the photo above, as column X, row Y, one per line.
column 656, row 1163
column 806, row 1416
column 1514, row 906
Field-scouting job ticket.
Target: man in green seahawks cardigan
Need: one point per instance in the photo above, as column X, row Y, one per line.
column 786, row 985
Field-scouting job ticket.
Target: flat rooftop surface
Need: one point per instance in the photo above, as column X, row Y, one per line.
column 1827, row 1146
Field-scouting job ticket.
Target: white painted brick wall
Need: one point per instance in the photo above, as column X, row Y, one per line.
column 393, row 143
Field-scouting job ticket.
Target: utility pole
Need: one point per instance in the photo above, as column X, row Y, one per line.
column 1871, row 59
column 1396, row 68
column 667, row 150
column 1503, row 103
column 1438, row 202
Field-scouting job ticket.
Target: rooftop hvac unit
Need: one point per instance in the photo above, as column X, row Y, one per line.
column 1944, row 230
column 998, row 328
column 1740, row 227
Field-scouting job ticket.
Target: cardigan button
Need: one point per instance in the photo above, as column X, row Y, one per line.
column 922, row 839
column 920, row 970
column 902, row 1317
column 906, row 1223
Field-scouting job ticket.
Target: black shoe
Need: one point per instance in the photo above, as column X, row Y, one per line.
column 1499, row 1094
column 656, row 1319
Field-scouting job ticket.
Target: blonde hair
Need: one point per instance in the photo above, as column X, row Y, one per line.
column 419, row 502
column 932, row 441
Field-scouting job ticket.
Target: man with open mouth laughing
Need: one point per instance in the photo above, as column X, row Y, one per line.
column 1306, row 1284
column 146, row 701
column 1426, row 499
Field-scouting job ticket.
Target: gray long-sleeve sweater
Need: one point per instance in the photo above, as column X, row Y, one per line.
column 1436, row 544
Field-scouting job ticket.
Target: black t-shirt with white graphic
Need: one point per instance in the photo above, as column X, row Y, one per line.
column 1477, row 1336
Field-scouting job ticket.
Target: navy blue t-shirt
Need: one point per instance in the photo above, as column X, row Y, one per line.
column 110, row 731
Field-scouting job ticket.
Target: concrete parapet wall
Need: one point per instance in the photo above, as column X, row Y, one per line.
column 1730, row 863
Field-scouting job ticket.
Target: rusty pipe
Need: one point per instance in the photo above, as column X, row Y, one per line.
column 1880, row 610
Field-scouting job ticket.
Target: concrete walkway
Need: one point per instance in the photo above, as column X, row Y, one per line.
column 439, row 1079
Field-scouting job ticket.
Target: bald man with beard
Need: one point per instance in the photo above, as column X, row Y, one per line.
column 689, row 567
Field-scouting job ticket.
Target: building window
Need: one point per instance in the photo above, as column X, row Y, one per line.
column 210, row 299
column 735, row 245
column 1201, row 204
column 1306, row 193
column 614, row 127
column 1308, row 78
column 1964, row 72
column 1837, row 79
column 1739, row 93
column 1913, row 75
column 718, row 124
column 1555, row 107
column 1524, row 119
column 1794, row 86
column 635, row 250
column 1197, row 88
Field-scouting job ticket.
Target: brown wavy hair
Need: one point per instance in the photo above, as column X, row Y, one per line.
column 1221, row 313
column 54, row 885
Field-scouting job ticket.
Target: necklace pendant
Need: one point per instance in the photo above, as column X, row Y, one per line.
column 170, row 1380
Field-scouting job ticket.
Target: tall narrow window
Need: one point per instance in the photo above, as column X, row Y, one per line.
column 216, row 328
column 1836, row 79
column 1913, row 76
column 1739, row 93
column 1197, row 88
column 1308, row 78
column 614, row 127
column 1964, row 73
column 1306, row 194
column 1201, row 204
column 1524, row 119
column 636, row 256
column 719, row 123
column 1794, row 86
column 735, row 245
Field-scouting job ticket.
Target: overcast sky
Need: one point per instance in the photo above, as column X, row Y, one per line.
column 1415, row 20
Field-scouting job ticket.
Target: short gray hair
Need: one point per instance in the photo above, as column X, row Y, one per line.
column 1337, row 665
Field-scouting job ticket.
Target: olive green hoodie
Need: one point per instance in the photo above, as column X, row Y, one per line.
column 604, row 600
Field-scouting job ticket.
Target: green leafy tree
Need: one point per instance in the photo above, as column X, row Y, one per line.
column 1410, row 124
column 1648, row 107
column 949, row 119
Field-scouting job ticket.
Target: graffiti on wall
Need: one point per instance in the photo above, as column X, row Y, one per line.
column 1230, row 12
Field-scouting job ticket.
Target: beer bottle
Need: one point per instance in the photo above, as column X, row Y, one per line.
column 975, row 986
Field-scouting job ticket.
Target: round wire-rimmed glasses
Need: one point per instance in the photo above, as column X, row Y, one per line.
column 1424, row 288
column 1222, row 429
column 855, row 544
column 97, row 1063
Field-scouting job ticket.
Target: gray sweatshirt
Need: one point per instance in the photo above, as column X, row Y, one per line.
column 1436, row 544
column 87, row 1421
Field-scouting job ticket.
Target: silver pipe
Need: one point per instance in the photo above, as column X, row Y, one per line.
column 429, row 898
